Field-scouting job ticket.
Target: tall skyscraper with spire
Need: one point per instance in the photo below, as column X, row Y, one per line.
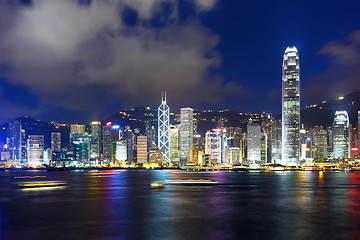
column 290, row 107
column 164, row 129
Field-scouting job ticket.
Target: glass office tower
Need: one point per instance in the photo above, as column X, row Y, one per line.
column 341, row 133
column 290, row 107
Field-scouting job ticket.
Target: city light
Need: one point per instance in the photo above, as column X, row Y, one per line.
column 188, row 143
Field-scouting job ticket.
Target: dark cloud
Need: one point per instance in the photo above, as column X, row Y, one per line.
column 84, row 57
column 274, row 95
column 345, row 52
column 343, row 76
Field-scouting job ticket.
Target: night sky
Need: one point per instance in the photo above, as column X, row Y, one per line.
column 78, row 61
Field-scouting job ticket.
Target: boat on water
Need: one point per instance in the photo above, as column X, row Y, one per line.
column 157, row 185
column 42, row 184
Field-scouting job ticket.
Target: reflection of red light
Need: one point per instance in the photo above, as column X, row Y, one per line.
column 108, row 124
column 354, row 149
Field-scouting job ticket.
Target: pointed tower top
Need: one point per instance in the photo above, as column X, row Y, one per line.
column 163, row 96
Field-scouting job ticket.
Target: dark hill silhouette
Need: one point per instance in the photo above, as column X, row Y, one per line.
column 317, row 114
column 324, row 113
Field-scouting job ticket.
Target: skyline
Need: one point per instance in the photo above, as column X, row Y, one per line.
column 224, row 63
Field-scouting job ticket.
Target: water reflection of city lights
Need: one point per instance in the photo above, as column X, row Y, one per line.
column 31, row 177
column 102, row 174
column 43, row 188
column 40, row 184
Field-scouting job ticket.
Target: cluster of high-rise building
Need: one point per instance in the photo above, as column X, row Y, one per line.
column 265, row 140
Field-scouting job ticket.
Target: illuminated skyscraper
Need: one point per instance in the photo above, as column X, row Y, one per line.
column 243, row 147
column 290, row 107
column 35, row 147
column 76, row 131
column 111, row 134
column 56, row 142
column 129, row 136
column 14, row 140
column 81, row 155
column 213, row 145
column 142, row 151
column 341, row 135
column 155, row 155
column 96, row 129
column 23, row 147
column 174, row 144
column 321, row 144
column 47, row 156
column 107, row 141
column 164, row 129
column 264, row 147
column 151, row 134
column 275, row 142
column 95, row 140
column 304, row 140
column 186, row 133
column 232, row 155
column 254, row 142
column 121, row 150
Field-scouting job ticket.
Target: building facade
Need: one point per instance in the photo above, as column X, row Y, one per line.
column 107, row 142
column 121, row 151
column 14, row 141
column 130, row 139
column 56, row 142
column 95, row 140
column 76, row 131
column 35, row 147
column 275, row 142
column 254, row 142
column 174, row 144
column 186, row 133
column 213, row 145
column 142, row 149
column 320, row 140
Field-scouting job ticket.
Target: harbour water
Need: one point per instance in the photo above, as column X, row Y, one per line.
column 120, row 204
